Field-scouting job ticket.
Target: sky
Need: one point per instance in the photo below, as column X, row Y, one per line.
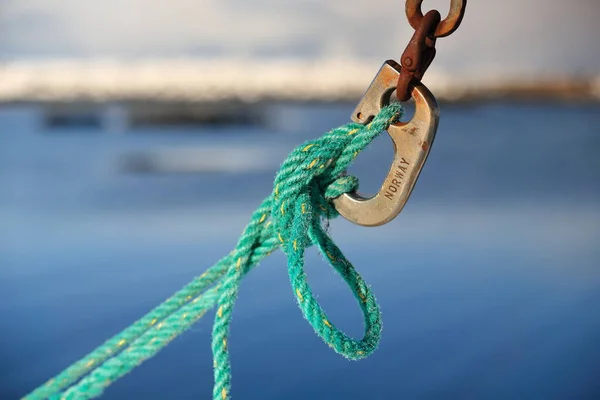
column 496, row 37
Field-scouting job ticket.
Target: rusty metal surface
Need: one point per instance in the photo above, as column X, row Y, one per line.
column 418, row 55
column 420, row 51
column 379, row 92
column 448, row 24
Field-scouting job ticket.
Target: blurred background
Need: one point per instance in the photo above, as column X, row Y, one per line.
column 136, row 137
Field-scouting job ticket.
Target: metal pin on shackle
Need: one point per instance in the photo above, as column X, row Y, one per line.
column 413, row 139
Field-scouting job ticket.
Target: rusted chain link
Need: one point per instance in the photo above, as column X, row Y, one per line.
column 420, row 51
column 447, row 26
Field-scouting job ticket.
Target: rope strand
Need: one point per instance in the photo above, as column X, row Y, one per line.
column 290, row 218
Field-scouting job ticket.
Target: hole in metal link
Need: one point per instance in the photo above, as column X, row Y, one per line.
column 440, row 5
column 409, row 106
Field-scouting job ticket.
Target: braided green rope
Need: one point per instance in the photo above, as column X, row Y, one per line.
column 290, row 218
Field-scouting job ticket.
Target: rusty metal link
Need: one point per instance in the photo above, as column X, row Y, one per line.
column 418, row 55
column 448, row 24
column 420, row 51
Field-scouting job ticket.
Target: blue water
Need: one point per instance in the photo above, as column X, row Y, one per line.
column 489, row 280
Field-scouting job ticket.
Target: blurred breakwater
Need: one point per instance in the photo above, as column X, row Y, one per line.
column 213, row 82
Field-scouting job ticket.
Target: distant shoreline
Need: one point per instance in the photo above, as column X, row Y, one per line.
column 172, row 82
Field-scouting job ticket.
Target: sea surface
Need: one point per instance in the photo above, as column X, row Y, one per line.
column 489, row 280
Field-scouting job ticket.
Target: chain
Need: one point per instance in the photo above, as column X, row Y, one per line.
column 420, row 51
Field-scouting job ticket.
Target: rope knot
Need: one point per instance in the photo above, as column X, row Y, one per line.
column 315, row 172
column 323, row 191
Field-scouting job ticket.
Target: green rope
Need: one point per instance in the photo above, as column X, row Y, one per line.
column 290, row 218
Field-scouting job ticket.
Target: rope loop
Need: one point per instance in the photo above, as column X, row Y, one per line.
column 291, row 217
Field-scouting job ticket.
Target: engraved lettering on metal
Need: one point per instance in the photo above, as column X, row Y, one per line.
column 412, row 141
column 398, row 179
